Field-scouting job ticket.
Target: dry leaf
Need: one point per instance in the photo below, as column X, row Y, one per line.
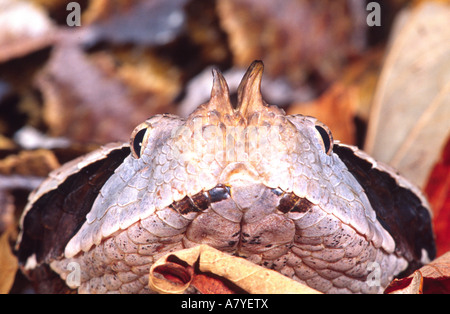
column 6, row 211
column 30, row 163
column 86, row 101
column 347, row 100
column 169, row 277
column 8, row 262
column 6, row 143
column 411, row 285
column 411, row 112
column 81, row 102
column 438, row 193
column 146, row 23
column 295, row 38
column 431, row 278
column 183, row 275
column 336, row 108
column 205, row 33
column 18, row 36
column 151, row 81
column 362, row 76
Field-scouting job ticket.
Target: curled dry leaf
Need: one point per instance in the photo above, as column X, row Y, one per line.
column 409, row 124
column 431, row 278
column 212, row 271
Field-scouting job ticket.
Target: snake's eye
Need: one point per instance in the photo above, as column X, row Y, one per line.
column 325, row 136
column 139, row 138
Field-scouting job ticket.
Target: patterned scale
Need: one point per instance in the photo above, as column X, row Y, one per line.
column 275, row 229
column 249, row 181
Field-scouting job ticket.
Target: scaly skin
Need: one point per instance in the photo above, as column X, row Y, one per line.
column 249, row 181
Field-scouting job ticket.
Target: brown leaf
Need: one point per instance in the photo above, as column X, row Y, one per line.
column 348, row 100
column 8, row 262
column 336, row 108
column 295, row 38
column 182, row 274
column 207, row 283
column 6, row 143
column 30, row 163
column 410, row 285
column 411, row 112
column 217, row 272
column 362, row 76
column 6, row 211
column 18, row 36
column 431, row 278
column 86, row 101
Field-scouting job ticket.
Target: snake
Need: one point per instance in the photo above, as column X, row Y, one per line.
column 243, row 178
